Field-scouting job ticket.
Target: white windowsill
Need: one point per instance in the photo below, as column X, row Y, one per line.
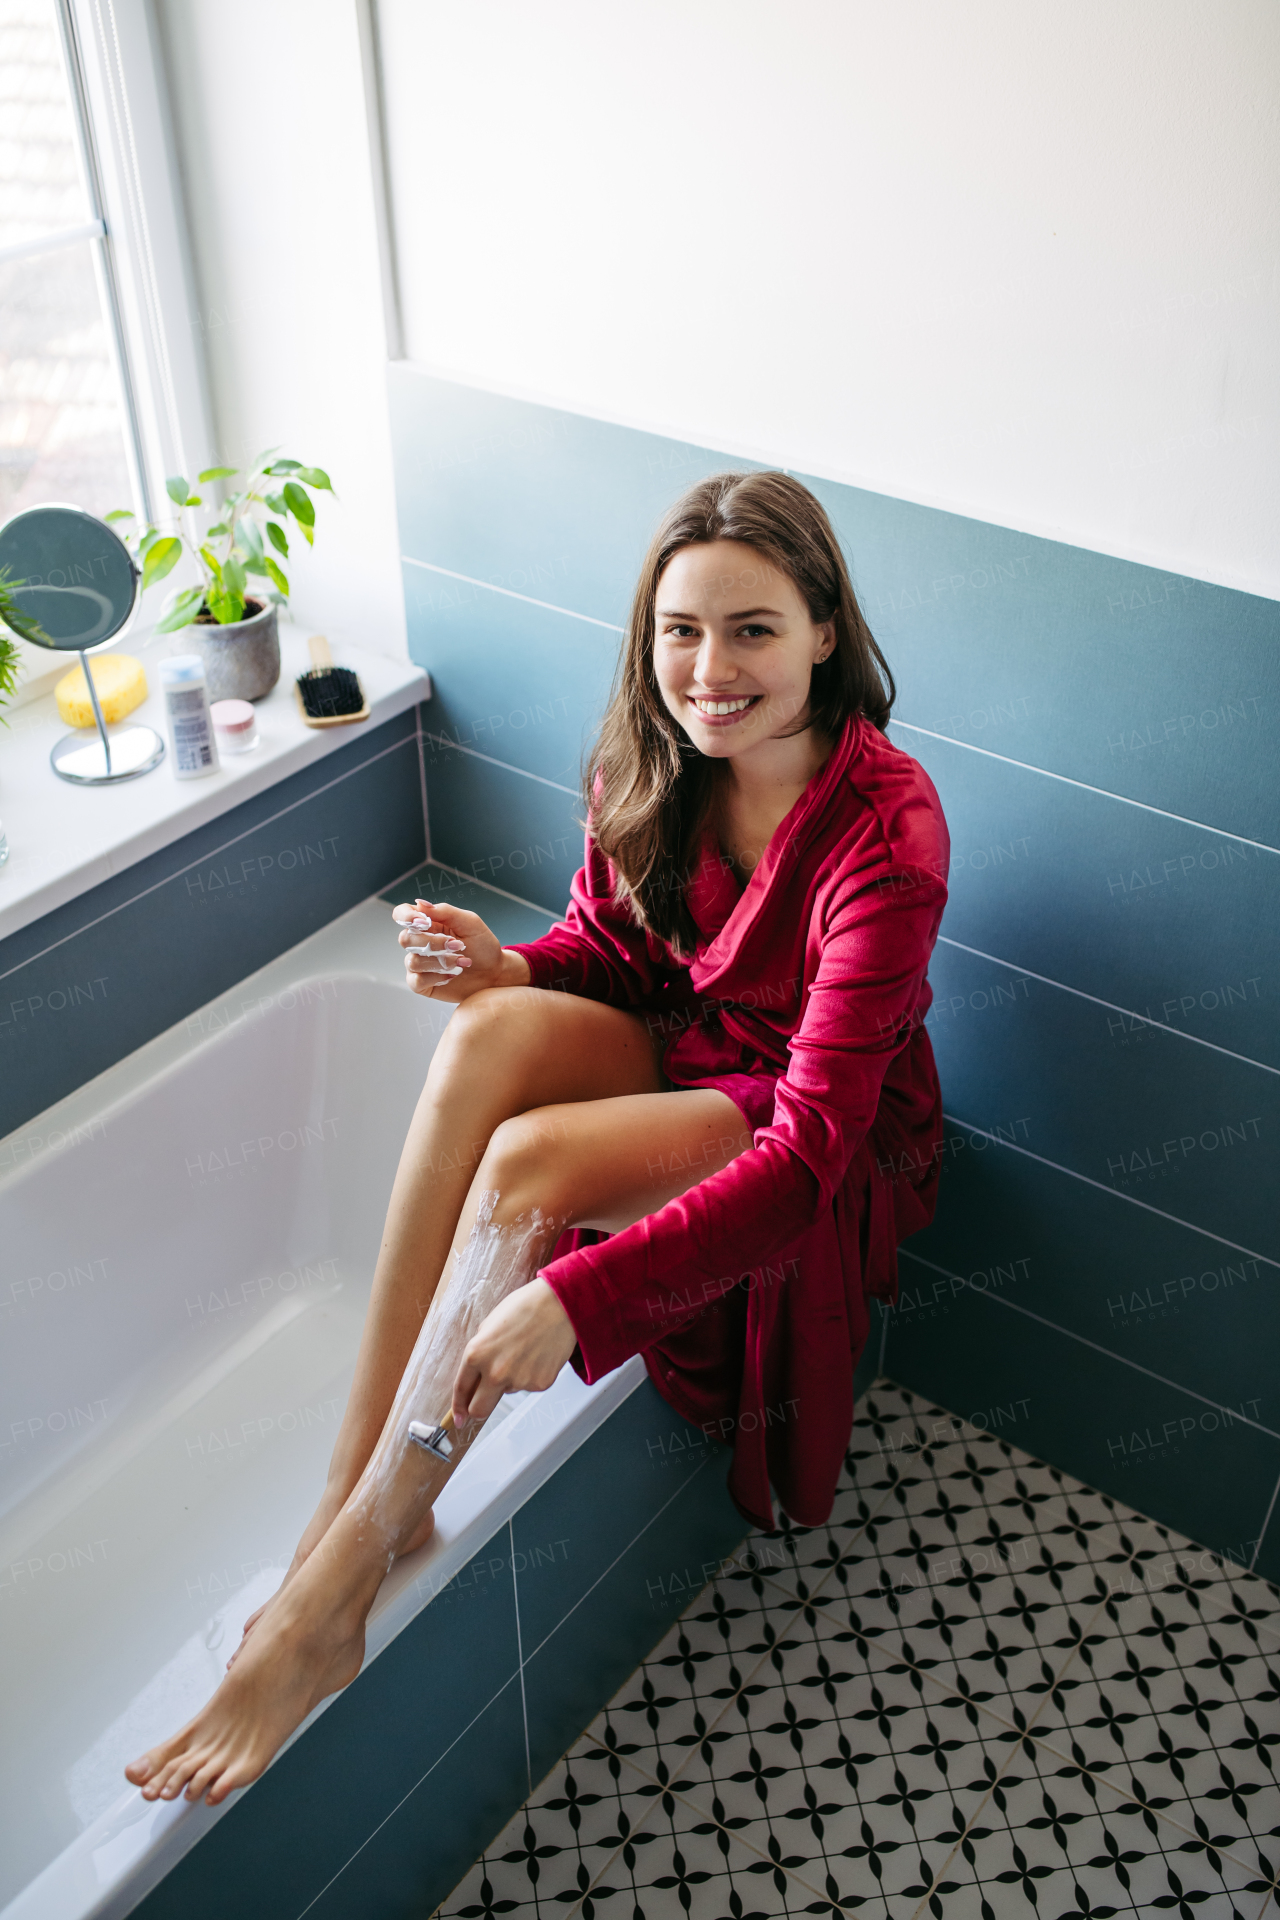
column 64, row 839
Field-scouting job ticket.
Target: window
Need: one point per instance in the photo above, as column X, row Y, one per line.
column 67, row 430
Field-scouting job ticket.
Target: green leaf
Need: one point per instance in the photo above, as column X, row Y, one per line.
column 276, row 535
column 248, row 536
column 285, row 466
column 148, row 541
column 299, row 505
column 256, row 564
column 216, row 473
column 212, row 533
column 211, row 561
column 119, row 513
column 193, row 500
column 182, row 610
column 277, row 575
column 276, row 503
column 316, row 477
column 233, row 580
column 25, row 625
column 161, row 558
column 226, row 608
column 177, row 489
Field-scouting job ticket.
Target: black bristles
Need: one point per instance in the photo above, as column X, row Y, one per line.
column 329, row 691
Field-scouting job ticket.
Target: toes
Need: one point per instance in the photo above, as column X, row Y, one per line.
column 231, row 1777
column 169, row 1784
column 204, row 1778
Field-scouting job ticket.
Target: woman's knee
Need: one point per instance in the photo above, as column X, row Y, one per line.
column 484, row 1026
column 524, row 1164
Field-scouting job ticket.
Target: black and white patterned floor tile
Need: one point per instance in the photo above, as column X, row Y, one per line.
column 980, row 1691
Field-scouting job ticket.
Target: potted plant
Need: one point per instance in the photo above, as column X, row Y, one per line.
column 233, row 630
column 12, row 618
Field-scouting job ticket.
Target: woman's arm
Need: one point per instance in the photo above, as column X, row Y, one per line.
column 633, row 1288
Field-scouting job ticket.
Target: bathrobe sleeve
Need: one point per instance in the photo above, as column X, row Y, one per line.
column 863, row 1001
column 597, row 950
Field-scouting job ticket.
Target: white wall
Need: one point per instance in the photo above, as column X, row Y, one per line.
column 269, row 113
column 1018, row 260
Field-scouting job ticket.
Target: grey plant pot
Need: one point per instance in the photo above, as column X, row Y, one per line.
column 242, row 661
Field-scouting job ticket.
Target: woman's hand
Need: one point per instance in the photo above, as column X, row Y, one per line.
column 521, row 1347
column 436, row 935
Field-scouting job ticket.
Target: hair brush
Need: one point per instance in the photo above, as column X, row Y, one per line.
column 329, row 696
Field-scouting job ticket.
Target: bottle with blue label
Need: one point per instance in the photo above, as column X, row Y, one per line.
column 194, row 749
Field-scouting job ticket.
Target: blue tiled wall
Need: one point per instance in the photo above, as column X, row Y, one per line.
column 1101, row 1282
column 388, row 1799
column 88, row 983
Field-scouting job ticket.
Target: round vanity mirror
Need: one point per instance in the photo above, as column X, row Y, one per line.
column 75, row 586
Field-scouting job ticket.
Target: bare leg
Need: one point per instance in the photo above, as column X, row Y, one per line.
column 503, row 1051
column 604, row 1162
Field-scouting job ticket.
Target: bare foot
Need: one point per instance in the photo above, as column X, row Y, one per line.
column 318, row 1525
column 308, row 1644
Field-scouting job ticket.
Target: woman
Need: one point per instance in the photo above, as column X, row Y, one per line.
column 693, row 1120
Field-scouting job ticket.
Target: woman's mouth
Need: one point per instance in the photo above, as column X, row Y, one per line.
column 723, row 712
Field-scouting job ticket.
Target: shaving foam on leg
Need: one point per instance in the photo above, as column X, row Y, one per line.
column 494, row 1262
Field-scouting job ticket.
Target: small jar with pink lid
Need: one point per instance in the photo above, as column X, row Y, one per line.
column 236, row 726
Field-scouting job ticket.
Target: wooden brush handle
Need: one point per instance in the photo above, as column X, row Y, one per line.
column 320, row 654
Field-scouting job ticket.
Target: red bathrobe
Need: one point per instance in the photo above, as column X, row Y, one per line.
column 749, row 1295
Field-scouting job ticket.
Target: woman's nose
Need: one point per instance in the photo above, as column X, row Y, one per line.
column 715, row 665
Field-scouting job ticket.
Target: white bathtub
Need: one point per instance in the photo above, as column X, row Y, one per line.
column 186, row 1246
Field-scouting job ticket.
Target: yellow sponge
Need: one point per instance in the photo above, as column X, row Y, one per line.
column 119, row 682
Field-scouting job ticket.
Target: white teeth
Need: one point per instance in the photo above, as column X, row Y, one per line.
column 723, row 706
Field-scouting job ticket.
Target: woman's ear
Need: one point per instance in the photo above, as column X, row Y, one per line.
column 828, row 644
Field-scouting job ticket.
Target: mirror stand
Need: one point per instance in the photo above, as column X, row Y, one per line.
column 120, row 754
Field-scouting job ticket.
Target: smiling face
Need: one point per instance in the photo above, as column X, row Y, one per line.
column 734, row 647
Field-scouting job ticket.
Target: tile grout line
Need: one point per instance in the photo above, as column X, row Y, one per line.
column 212, row 854
column 524, row 1699
column 1161, row 1026
column 1262, row 1531
column 422, row 782
column 1057, row 1167
column 455, row 746
column 1241, row 1419
column 1047, row 773
column 509, row 593
column 488, row 886
column 617, row 1557
column 406, row 1796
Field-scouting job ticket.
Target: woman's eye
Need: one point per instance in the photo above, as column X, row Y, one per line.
column 755, row 633
column 681, row 633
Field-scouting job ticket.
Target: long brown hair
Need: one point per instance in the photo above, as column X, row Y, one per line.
column 648, row 789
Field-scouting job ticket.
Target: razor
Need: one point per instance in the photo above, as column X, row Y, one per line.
column 437, row 1441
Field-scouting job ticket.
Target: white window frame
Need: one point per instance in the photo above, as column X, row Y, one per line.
column 115, row 58
column 137, row 232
